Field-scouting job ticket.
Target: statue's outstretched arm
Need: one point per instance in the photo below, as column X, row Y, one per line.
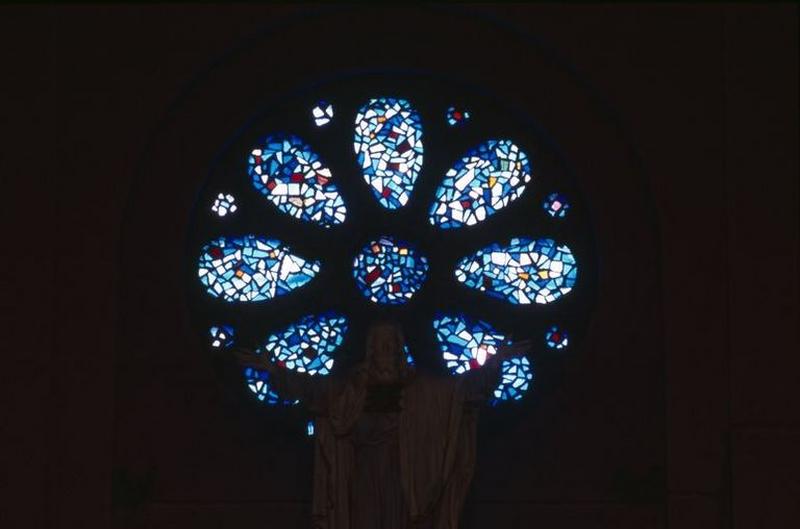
column 480, row 383
column 311, row 390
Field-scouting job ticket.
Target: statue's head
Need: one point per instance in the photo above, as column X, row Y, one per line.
column 385, row 351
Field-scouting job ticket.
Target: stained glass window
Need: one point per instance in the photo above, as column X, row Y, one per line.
column 487, row 179
column 522, row 272
column 556, row 338
column 516, row 376
column 457, row 116
column 388, row 144
column 224, row 204
column 556, row 205
column 221, row 336
column 322, row 113
column 286, row 171
column 258, row 382
column 388, row 271
column 298, row 181
column 308, row 345
column 252, row 268
column 465, row 343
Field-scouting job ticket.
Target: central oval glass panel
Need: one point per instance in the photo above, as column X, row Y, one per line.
column 388, row 271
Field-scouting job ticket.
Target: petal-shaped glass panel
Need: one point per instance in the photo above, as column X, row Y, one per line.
column 487, row 179
column 388, row 271
column 516, row 377
column 388, row 143
column 252, row 268
column 524, row 271
column 258, row 382
column 466, row 343
column 308, row 345
column 292, row 176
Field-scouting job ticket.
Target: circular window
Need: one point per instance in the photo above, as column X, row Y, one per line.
column 407, row 196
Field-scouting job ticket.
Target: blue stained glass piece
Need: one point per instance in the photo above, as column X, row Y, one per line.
column 292, row 176
column 388, row 145
column 465, row 343
column 307, row 346
column 409, row 358
column 556, row 205
column 258, row 382
column 252, row 268
column 522, row 272
column 556, row 338
column 389, row 272
column 516, row 377
column 222, row 336
column 310, row 428
column 487, row 179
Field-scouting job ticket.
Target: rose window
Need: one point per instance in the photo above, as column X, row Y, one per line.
column 454, row 217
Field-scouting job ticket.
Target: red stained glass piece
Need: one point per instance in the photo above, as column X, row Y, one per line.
column 297, row 177
column 395, row 287
column 386, row 192
column 281, row 363
column 393, row 134
column 457, row 116
column 473, row 363
column 271, row 185
column 215, row 252
column 556, row 337
column 466, row 203
column 403, row 147
column 487, row 281
column 374, row 274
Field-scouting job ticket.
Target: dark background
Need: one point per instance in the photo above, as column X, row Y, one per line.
column 704, row 97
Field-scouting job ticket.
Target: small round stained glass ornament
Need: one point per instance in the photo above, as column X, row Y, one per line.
column 556, row 338
column 457, row 116
column 322, row 113
column 221, row 336
column 224, row 204
column 556, row 205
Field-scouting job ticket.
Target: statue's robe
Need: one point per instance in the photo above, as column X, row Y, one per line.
column 408, row 467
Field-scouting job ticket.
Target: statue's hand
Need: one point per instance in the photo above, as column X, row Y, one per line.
column 514, row 349
column 248, row 358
